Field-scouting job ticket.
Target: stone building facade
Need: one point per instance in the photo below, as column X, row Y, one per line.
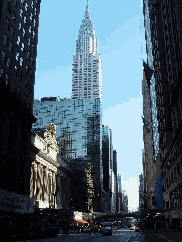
column 49, row 185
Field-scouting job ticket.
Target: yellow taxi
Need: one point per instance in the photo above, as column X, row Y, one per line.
column 133, row 227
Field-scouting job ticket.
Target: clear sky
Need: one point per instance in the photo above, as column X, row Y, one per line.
column 119, row 28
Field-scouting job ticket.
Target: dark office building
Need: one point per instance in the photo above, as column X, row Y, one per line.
column 19, row 21
column 166, row 36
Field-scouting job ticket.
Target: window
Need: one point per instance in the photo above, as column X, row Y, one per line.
column 28, row 41
column 23, row 32
column 8, row 62
column 19, row 26
column 26, row 83
column 21, row 61
column 6, row 79
column 33, row 34
column 14, row 2
column 5, row 39
column 12, row 30
column 22, row 1
column 7, row 23
column 30, row 73
column 32, row 4
column 1, row 72
column 22, row 46
column 18, row 41
column 3, row 55
column 14, row 15
column 13, row 87
column 28, row 54
column 31, row 16
column 26, row 6
column 10, row 46
column 17, row 55
column 30, row 29
column 34, row 22
column 21, row 13
column 25, row 19
column 16, row 71
column 27, row 69
column 32, row 47
column 31, row 60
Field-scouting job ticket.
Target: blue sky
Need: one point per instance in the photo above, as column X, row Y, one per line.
column 120, row 32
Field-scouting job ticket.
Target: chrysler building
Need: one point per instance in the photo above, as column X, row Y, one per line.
column 86, row 75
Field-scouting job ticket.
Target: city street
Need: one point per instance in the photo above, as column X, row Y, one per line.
column 122, row 235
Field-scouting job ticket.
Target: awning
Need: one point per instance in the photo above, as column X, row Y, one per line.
column 82, row 221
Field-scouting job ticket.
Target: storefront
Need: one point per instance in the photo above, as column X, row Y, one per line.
column 15, row 214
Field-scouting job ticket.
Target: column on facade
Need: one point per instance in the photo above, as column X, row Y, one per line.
column 54, row 187
column 32, row 181
column 45, row 184
column 35, row 180
column 50, row 189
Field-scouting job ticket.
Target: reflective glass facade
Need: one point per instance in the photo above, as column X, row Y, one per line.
column 152, row 87
column 74, row 121
column 79, row 133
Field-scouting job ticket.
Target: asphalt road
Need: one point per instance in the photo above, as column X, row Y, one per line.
column 121, row 235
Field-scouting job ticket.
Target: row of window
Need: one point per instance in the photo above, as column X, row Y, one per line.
column 175, row 173
column 26, row 84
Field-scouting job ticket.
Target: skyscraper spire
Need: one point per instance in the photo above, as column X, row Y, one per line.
column 86, row 77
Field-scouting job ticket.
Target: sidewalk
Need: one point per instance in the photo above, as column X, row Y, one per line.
column 163, row 236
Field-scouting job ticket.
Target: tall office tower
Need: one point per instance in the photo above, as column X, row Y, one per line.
column 78, row 131
column 106, row 168
column 86, row 76
column 19, row 20
column 166, row 35
column 149, row 166
column 152, row 81
column 115, row 178
column 119, row 182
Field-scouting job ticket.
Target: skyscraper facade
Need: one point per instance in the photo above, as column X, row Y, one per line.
column 79, row 137
column 19, row 20
column 86, row 71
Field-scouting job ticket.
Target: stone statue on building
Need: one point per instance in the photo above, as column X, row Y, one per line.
column 50, row 139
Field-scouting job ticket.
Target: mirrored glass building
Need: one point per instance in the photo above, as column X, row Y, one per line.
column 79, row 135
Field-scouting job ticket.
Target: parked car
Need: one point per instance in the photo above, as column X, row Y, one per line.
column 137, row 229
column 114, row 228
column 132, row 227
column 106, row 230
column 99, row 229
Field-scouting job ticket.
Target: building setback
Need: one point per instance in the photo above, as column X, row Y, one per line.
column 86, row 76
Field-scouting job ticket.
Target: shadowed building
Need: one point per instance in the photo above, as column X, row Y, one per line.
column 19, row 22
